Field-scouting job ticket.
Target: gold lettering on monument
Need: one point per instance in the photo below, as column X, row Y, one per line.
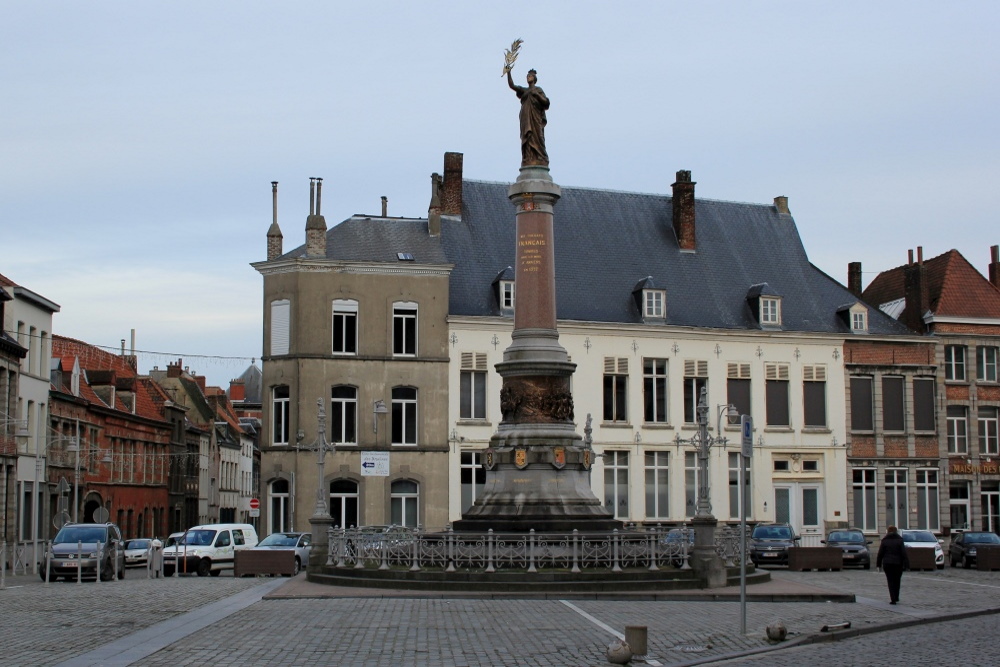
column 530, row 251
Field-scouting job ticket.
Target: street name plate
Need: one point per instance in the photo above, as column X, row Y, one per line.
column 374, row 464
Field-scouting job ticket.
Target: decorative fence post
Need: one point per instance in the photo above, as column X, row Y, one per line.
column 615, row 544
column 531, row 552
column 450, row 554
column 341, row 546
column 415, row 562
column 654, row 542
column 576, row 547
column 489, row 552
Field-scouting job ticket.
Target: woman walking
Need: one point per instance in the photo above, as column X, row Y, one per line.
column 892, row 560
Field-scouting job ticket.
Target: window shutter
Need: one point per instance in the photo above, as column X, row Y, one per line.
column 616, row 365
column 695, row 368
column 280, row 326
column 738, row 371
column 480, row 361
column 814, row 373
column 467, row 361
column 776, row 372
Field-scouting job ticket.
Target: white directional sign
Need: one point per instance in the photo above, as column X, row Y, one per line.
column 746, row 429
column 374, row 464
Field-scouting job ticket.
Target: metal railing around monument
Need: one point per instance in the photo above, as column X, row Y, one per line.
column 416, row 549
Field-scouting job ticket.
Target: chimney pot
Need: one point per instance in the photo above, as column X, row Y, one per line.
column 781, row 203
column 920, row 254
column 451, row 188
column 385, row 206
column 909, row 256
column 995, row 266
column 434, row 210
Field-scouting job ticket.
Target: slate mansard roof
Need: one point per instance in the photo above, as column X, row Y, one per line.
column 606, row 242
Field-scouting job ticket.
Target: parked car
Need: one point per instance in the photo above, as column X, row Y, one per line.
column 75, row 550
column 137, row 552
column 963, row 547
column 854, row 544
column 676, row 544
column 769, row 543
column 208, row 549
column 925, row 539
column 173, row 539
column 300, row 543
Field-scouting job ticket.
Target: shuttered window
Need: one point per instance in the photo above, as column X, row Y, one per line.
column 776, row 394
column 280, row 326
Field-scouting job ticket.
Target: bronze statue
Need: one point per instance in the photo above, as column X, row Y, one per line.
column 534, row 103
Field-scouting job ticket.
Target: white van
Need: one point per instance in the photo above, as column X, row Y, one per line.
column 209, row 549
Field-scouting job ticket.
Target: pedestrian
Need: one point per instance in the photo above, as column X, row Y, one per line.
column 892, row 559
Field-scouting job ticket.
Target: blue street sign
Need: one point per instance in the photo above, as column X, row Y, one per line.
column 746, row 429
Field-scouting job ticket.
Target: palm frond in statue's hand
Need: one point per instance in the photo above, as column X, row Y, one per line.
column 510, row 55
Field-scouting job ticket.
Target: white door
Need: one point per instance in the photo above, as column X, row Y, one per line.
column 800, row 504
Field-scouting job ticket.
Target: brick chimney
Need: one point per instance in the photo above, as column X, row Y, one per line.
column 274, row 237
column 451, row 188
column 434, row 210
column 174, row 370
column 237, row 390
column 781, row 203
column 683, row 203
column 200, row 380
column 854, row 278
column 385, row 206
column 915, row 291
column 315, row 223
column 995, row 265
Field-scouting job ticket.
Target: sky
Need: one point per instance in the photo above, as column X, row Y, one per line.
column 139, row 140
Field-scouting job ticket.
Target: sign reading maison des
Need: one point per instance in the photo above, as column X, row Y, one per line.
column 374, row 464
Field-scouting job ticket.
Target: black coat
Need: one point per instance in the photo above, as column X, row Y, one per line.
column 892, row 551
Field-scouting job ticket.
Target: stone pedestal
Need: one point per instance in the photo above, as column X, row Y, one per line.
column 704, row 558
column 320, row 539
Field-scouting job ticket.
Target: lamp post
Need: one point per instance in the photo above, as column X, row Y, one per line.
column 322, row 509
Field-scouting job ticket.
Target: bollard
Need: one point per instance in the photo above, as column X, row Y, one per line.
column 79, row 559
column 635, row 637
column 3, row 565
column 114, row 564
column 48, row 563
column 100, row 556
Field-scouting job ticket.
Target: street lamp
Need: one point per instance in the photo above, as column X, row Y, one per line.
column 322, row 509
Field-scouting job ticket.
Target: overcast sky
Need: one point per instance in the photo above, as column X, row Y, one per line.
column 139, row 139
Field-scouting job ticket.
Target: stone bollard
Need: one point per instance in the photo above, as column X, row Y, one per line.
column 635, row 637
column 777, row 632
column 619, row 652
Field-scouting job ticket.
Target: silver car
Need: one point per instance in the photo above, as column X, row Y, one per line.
column 301, row 543
column 76, row 549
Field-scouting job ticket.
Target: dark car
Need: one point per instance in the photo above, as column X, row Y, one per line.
column 963, row 547
column 769, row 543
column 76, row 549
column 854, row 544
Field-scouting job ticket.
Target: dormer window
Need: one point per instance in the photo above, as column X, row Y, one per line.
column 855, row 316
column 650, row 300
column 859, row 321
column 770, row 311
column 507, row 295
column 765, row 305
column 654, row 300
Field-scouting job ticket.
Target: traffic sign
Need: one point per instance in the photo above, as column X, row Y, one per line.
column 746, row 430
column 255, row 503
column 374, row 464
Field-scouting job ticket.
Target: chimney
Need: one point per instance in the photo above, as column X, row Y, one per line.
column 915, row 292
column 200, row 380
column 434, row 210
column 315, row 223
column 174, row 370
column 854, row 278
column 995, row 266
column 683, row 203
column 385, row 206
column 237, row 390
column 781, row 203
column 451, row 188
column 274, row 233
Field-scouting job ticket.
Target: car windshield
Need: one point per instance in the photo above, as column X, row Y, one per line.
column 137, row 544
column 918, row 536
column 73, row 534
column 982, row 538
column 279, row 540
column 198, row 538
column 772, row 533
column 846, row 536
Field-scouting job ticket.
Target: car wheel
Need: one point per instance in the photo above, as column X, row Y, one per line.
column 204, row 567
column 966, row 563
column 215, row 573
column 298, row 566
column 41, row 573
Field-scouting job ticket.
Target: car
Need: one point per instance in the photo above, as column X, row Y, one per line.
column 924, row 539
column 676, row 545
column 173, row 539
column 854, row 544
column 963, row 547
column 769, row 543
column 137, row 552
column 74, row 552
column 208, row 549
column 300, row 543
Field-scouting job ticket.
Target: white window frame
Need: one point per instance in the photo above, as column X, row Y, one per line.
column 868, row 512
column 954, row 363
column 896, row 495
column 770, row 311
column 279, row 519
column 507, row 294
column 655, row 390
column 692, row 473
column 404, row 328
column 345, row 407
column 615, row 369
column 986, row 363
column 616, row 482
column 342, row 499
column 987, row 428
column 695, row 379
column 400, row 503
column 928, row 499
column 859, row 321
column 407, row 410
column 958, row 431
column 345, row 317
column 471, row 467
column 473, row 375
column 280, row 414
column 656, row 465
column 654, row 303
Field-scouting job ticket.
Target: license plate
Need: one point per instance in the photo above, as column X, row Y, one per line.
column 769, row 555
column 850, row 556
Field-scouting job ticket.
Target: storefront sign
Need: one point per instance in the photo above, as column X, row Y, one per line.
column 984, row 468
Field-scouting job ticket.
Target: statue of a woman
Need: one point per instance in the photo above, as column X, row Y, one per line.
column 533, row 106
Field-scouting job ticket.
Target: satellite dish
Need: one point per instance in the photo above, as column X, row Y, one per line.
column 60, row 520
column 101, row 515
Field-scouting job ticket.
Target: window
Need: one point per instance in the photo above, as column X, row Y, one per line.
column 344, row 415
column 770, row 311
column 859, row 321
column 280, row 326
column 776, row 394
column 892, row 403
column 472, row 386
column 862, row 414
column 345, row 326
column 507, row 294
column 654, row 390
column 657, row 485
column 987, row 428
column 280, row 405
column 895, row 499
column 344, row 503
column 864, row 499
column 927, row 500
column 404, row 416
column 616, row 483
column 781, row 465
column 959, row 502
column 958, row 434
column 473, row 476
column 404, row 501
column 990, row 503
column 814, row 396
column 986, row 363
column 653, row 300
column 734, row 487
column 691, row 475
column 923, row 404
column 738, row 386
column 616, row 389
column 404, row 329
column 695, row 381
column 954, row 362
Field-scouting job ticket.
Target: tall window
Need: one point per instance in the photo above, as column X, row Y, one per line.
column 987, row 428
column 892, row 403
column 616, row 483
column 958, row 430
column 990, row 504
column 654, row 390
column 986, row 363
column 404, row 501
column 954, row 362
column 814, row 395
column 896, row 513
column 657, row 485
column 734, row 487
column 472, row 386
column 344, row 415
column 691, row 474
column 695, row 379
column 280, row 405
column 927, row 500
column 473, row 476
column 738, row 386
column 404, row 416
column 345, row 326
column 776, row 394
column 616, row 389
column 280, row 326
column 960, row 507
column 923, row 404
column 862, row 413
column 863, row 488
column 404, row 329
column 281, row 509
column 344, row 503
